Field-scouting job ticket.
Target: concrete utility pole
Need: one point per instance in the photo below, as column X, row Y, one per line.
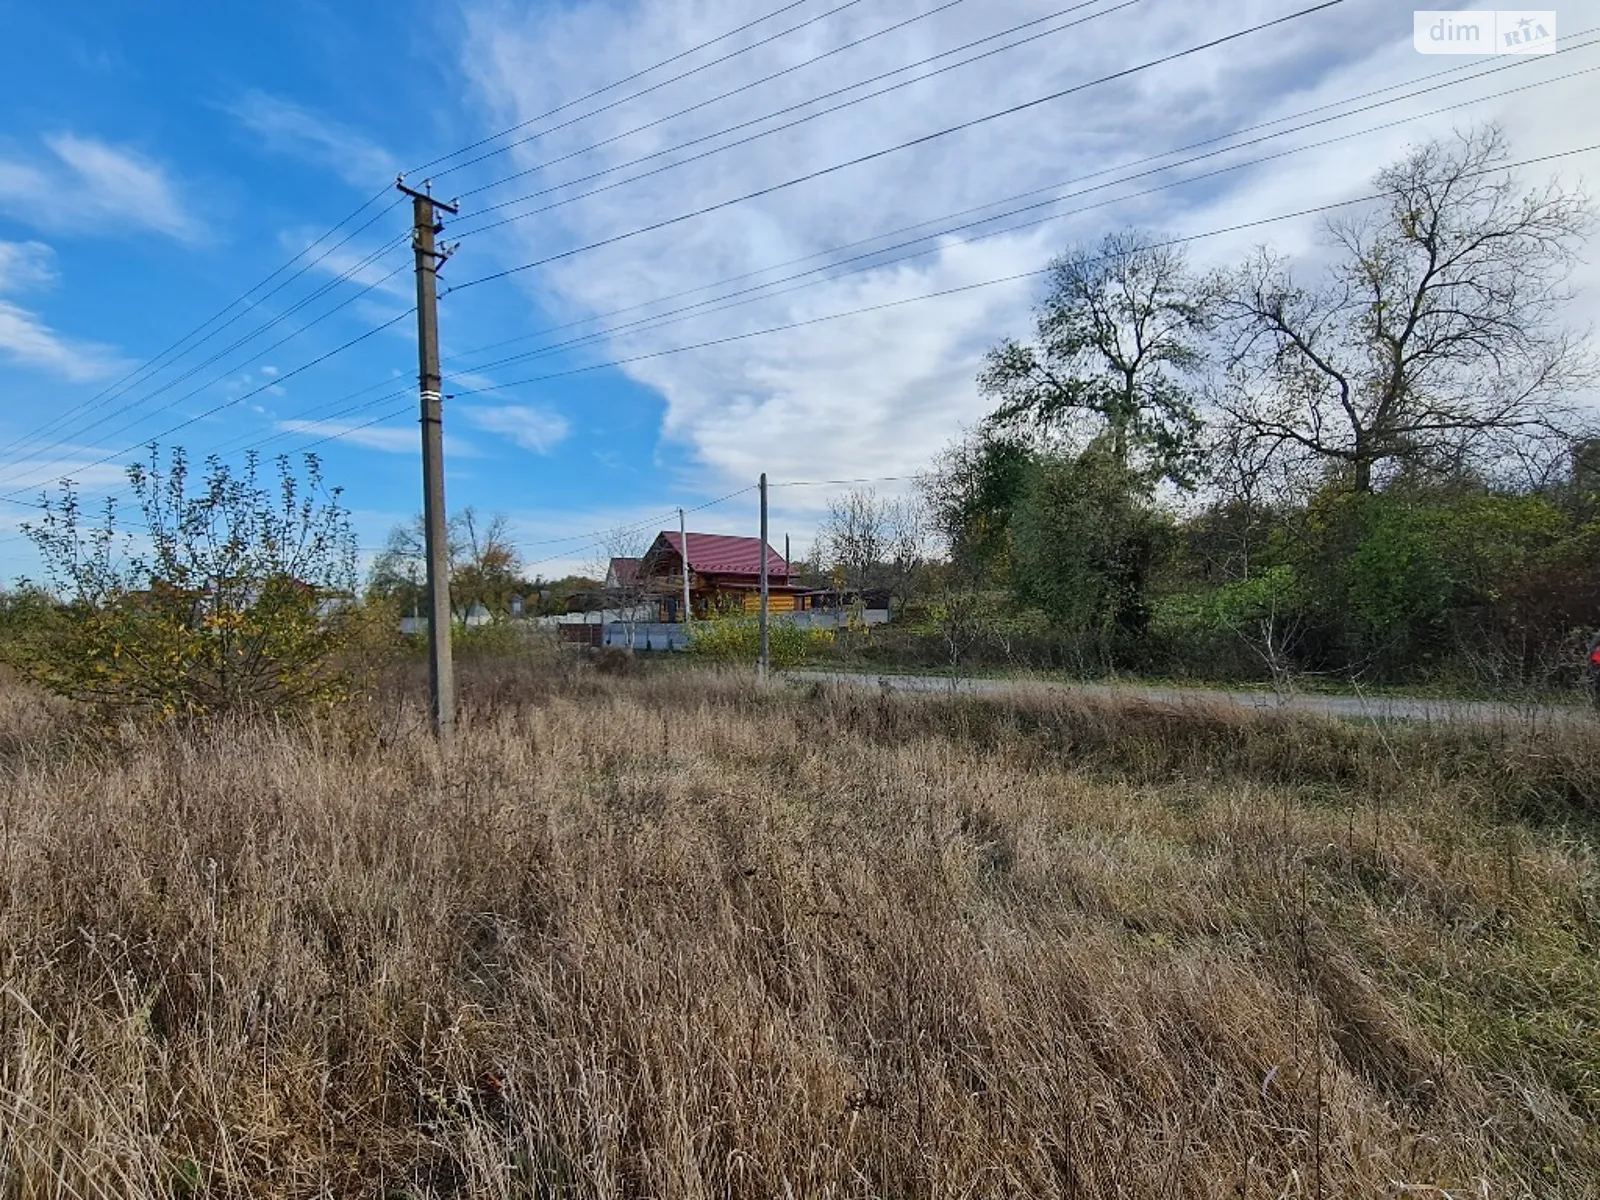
column 765, row 657
column 683, row 553
column 441, row 669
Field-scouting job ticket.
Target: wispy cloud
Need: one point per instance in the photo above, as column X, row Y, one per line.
column 350, row 262
column 26, row 265
column 77, row 463
column 373, row 437
column 285, row 127
column 879, row 394
column 26, row 339
column 531, row 428
column 87, row 185
column 386, row 438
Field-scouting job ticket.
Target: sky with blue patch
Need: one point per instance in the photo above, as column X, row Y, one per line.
column 167, row 169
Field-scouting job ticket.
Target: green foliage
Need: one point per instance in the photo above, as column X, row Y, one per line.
column 24, row 612
column 1118, row 343
column 738, row 639
column 243, row 599
column 1086, row 538
column 1203, row 613
column 973, row 491
column 1448, row 581
column 495, row 638
column 1390, row 574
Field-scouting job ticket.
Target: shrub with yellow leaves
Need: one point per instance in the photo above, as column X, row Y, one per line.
column 236, row 595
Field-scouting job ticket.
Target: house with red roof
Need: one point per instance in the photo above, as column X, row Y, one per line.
column 724, row 575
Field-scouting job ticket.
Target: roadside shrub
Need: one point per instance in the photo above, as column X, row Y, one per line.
column 738, row 639
column 495, row 638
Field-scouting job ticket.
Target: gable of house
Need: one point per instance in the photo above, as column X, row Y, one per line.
column 622, row 573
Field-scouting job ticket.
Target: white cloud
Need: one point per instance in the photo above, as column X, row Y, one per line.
column 531, row 428
column 75, row 463
column 373, row 437
column 285, row 127
column 879, row 394
column 26, row 339
column 87, row 185
column 26, row 265
column 386, row 438
column 351, row 262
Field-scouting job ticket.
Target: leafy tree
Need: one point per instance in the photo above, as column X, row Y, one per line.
column 1087, row 538
column 970, row 495
column 1118, row 340
column 238, row 594
column 1435, row 339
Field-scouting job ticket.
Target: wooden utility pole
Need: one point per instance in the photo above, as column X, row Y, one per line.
column 441, row 669
column 683, row 554
column 764, row 663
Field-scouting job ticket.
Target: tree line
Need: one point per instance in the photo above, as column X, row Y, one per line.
column 1381, row 464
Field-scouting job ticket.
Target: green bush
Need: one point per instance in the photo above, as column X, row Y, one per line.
column 738, row 639
column 243, row 599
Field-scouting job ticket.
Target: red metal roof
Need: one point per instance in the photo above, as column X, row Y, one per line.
column 718, row 554
column 623, row 570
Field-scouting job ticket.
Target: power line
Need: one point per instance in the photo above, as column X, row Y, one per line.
column 317, row 414
column 892, row 304
column 151, row 362
column 1312, row 211
column 844, row 482
column 693, row 107
column 768, row 78
column 630, row 78
column 672, row 166
column 732, row 300
column 226, row 404
column 779, row 112
column 27, row 443
column 121, row 386
column 281, row 317
column 1315, row 210
column 875, row 308
column 720, row 341
column 1329, row 3
column 1518, row 62
column 926, row 138
column 388, row 414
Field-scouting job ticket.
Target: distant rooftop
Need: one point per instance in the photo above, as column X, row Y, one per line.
column 717, row 553
column 624, row 570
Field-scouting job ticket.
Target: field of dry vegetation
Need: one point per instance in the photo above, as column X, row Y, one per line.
column 672, row 935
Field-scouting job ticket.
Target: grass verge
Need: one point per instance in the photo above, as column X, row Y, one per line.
column 671, row 934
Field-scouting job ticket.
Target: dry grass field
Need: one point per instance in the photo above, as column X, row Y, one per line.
column 671, row 935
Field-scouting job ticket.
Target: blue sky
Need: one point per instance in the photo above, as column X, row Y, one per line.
column 157, row 161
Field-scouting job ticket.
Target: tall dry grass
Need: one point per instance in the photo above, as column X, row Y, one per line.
column 677, row 936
